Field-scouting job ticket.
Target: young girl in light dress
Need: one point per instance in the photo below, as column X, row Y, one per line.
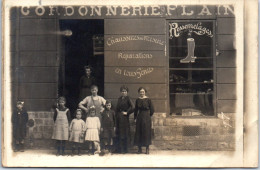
column 77, row 129
column 93, row 129
column 61, row 125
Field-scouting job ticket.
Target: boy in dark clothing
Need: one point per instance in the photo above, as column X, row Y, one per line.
column 108, row 126
column 19, row 120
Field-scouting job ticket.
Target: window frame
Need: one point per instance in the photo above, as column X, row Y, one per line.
column 214, row 43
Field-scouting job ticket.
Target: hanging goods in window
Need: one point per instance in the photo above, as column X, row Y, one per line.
column 190, row 58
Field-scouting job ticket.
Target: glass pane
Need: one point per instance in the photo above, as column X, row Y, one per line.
column 203, row 88
column 204, row 76
column 179, row 76
column 191, row 68
column 200, row 31
column 180, row 88
column 192, row 104
column 199, row 52
column 199, row 63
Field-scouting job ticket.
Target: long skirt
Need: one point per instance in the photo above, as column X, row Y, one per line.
column 143, row 129
column 123, row 129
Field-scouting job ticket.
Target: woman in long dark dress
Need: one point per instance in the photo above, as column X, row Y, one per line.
column 143, row 111
column 123, row 109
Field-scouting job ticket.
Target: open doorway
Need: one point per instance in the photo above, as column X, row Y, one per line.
column 79, row 51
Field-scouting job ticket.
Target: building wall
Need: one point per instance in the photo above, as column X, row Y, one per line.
column 226, row 64
column 36, row 61
column 35, row 68
column 119, row 71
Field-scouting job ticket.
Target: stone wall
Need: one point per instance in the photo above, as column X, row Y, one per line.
column 43, row 125
column 170, row 133
column 211, row 134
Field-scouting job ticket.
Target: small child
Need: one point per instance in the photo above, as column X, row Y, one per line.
column 108, row 126
column 61, row 125
column 93, row 129
column 19, row 120
column 77, row 129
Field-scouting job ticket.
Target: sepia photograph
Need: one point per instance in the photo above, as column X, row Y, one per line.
column 129, row 84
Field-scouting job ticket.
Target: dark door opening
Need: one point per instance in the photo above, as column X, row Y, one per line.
column 78, row 51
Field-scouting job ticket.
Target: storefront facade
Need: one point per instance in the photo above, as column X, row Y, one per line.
column 185, row 56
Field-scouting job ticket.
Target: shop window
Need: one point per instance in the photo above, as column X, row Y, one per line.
column 191, row 68
column 98, row 44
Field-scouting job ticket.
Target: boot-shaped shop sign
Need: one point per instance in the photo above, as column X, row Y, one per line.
column 175, row 31
column 190, row 58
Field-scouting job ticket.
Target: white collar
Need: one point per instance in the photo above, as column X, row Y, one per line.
column 143, row 97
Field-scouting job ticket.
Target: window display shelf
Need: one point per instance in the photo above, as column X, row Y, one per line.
column 198, row 58
column 191, row 83
column 191, row 93
column 185, row 46
column 186, row 69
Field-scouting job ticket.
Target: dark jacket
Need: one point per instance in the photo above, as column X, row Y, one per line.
column 19, row 120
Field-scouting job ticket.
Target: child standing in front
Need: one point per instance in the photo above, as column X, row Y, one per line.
column 77, row 129
column 61, row 125
column 93, row 129
column 108, row 125
column 19, row 120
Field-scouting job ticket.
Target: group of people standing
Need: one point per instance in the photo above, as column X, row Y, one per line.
column 102, row 125
column 95, row 121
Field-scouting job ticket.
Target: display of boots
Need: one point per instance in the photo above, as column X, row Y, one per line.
column 190, row 58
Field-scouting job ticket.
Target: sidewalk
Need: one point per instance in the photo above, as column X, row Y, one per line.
column 48, row 158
